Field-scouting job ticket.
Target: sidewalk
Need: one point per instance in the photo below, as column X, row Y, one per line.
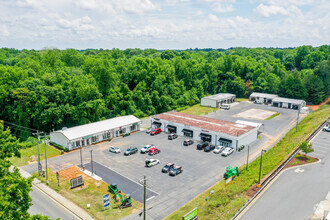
column 79, row 212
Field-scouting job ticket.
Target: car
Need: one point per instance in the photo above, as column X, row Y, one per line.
column 327, row 128
column 175, row 170
column 172, row 136
column 130, row 151
column 202, row 145
column 258, row 102
column 114, row 149
column 227, row 151
column 148, row 130
column 154, row 151
column 146, row 148
column 188, row 142
column 225, row 106
column 209, row 148
column 167, row 167
column 151, row 162
column 155, row 131
column 219, row 149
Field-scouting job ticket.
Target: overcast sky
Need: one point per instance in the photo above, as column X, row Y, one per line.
column 163, row 24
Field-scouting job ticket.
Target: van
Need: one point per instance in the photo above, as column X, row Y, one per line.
column 225, row 106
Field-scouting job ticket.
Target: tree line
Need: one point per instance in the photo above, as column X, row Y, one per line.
column 50, row 89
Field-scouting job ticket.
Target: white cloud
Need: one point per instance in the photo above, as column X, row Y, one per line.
column 222, row 8
column 268, row 10
column 222, row 1
column 213, row 18
column 4, row 31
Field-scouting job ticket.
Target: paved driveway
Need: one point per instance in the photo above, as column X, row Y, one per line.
column 296, row 193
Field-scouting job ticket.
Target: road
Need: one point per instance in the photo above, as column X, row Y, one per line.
column 297, row 192
column 44, row 205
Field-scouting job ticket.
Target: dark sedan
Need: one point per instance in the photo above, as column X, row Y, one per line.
column 131, row 150
column 209, row 148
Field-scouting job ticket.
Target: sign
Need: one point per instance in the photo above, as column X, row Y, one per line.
column 229, row 179
column 87, row 137
column 192, row 215
column 75, row 182
column 205, row 130
column 106, row 200
column 136, row 123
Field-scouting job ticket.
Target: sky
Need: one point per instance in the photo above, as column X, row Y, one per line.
column 163, row 24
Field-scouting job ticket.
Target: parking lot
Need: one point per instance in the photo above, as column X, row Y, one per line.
column 201, row 170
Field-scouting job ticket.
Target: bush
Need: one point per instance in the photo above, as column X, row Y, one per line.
column 59, row 146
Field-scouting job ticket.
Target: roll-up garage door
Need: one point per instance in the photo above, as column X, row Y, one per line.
column 187, row 133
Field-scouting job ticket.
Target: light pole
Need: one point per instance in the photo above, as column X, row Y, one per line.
column 81, row 158
column 46, row 145
column 92, row 161
column 247, row 159
column 298, row 118
column 262, row 151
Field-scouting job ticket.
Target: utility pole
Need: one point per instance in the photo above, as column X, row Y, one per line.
column 39, row 170
column 81, row 157
column 46, row 144
column 262, row 151
column 144, row 197
column 92, row 161
column 247, row 160
column 298, row 118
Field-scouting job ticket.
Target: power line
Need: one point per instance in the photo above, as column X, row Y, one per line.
column 32, row 129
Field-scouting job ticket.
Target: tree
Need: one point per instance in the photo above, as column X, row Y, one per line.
column 306, row 147
column 14, row 189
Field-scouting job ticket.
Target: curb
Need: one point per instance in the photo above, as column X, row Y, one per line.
column 270, row 184
column 68, row 205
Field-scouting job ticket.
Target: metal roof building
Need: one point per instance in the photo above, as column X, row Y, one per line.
column 79, row 136
column 288, row 103
column 266, row 98
column 200, row 128
column 217, row 100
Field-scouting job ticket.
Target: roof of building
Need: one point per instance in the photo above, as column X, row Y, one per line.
column 263, row 95
column 219, row 96
column 293, row 101
column 97, row 127
column 253, row 124
column 211, row 124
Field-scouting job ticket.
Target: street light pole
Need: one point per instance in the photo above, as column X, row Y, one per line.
column 247, row 159
column 81, row 157
column 46, row 144
column 298, row 117
column 262, row 151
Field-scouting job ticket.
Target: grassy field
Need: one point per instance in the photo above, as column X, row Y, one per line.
column 28, row 152
column 198, row 110
column 227, row 199
column 273, row 116
column 92, row 193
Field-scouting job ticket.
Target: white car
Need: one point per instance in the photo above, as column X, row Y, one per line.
column 148, row 130
column 327, row 128
column 114, row 149
column 146, row 148
column 258, row 102
column 151, row 162
column 218, row 149
column 227, row 151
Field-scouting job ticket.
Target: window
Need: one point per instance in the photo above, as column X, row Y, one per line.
column 78, row 143
column 108, row 134
column 87, row 141
column 124, row 130
column 104, row 136
column 133, row 127
column 83, row 143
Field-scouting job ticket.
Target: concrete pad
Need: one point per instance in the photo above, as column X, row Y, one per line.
column 253, row 113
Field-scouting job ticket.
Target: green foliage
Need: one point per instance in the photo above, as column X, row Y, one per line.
column 51, row 89
column 59, row 146
column 306, row 147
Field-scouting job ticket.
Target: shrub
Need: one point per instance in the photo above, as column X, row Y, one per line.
column 59, row 146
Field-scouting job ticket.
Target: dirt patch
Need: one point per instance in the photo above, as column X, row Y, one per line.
column 72, row 172
column 253, row 190
column 256, row 114
column 316, row 107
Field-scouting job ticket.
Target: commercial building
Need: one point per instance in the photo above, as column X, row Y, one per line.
column 264, row 97
column 288, row 103
column 83, row 135
column 217, row 100
column 218, row 132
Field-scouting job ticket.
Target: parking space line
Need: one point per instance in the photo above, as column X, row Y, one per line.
column 150, row 198
column 126, row 177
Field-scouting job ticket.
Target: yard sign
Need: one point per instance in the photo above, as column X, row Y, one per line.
column 192, row 215
column 106, row 200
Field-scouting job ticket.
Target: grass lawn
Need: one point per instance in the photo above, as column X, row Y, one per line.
column 302, row 159
column 91, row 193
column 198, row 110
column 241, row 99
column 273, row 116
column 28, row 152
column 227, row 199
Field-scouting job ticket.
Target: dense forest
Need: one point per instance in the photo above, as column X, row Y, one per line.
column 52, row 88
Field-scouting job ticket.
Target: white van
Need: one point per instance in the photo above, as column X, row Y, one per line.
column 225, row 106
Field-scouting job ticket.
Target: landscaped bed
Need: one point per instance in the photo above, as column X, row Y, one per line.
column 227, row 199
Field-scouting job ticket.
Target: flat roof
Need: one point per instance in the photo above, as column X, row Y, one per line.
column 263, row 95
column 253, row 124
column 97, row 127
column 219, row 96
column 226, row 127
column 293, row 101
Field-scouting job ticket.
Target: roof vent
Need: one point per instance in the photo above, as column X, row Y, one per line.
column 64, row 128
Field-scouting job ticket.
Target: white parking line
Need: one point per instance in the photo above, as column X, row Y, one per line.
column 150, row 198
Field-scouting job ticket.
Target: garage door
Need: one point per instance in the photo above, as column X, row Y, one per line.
column 171, row 128
column 205, row 137
column 156, row 124
column 225, row 142
column 187, row 133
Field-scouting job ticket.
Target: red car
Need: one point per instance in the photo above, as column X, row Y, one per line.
column 155, row 131
column 154, row 151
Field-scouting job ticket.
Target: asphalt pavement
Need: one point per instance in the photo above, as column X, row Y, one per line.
column 42, row 204
column 298, row 191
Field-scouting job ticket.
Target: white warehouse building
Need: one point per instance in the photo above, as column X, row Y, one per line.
column 288, row 103
column 83, row 135
column 217, row 100
column 215, row 131
column 264, row 97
